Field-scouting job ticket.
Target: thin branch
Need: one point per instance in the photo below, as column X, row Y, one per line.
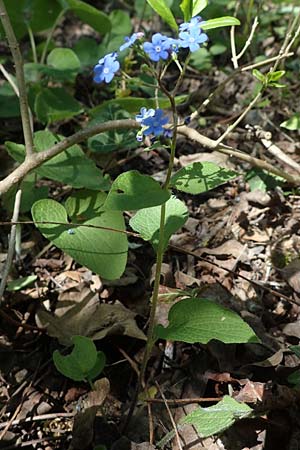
column 11, row 245
column 9, row 79
column 249, row 40
column 233, row 48
column 18, row 62
column 171, row 417
column 37, row 159
column 193, row 135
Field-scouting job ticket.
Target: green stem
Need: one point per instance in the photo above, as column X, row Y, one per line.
column 49, row 37
column 32, row 43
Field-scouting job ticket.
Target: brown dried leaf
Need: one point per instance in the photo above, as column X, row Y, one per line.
column 291, row 273
column 87, row 317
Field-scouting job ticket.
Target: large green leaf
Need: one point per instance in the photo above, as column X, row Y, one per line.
column 164, row 12
column 64, row 62
column 90, row 15
column 102, row 251
column 201, row 177
column 71, row 167
column 217, row 418
column 53, row 104
column 147, row 221
column 132, row 191
column 226, row 21
column 201, row 320
column 38, row 14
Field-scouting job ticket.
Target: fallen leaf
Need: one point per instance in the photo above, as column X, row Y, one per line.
column 291, row 274
column 87, row 317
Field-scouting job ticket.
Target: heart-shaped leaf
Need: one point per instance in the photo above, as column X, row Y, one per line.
column 147, row 221
column 90, row 15
column 201, row 320
column 53, row 104
column 102, row 251
column 132, row 191
column 83, row 363
column 201, row 177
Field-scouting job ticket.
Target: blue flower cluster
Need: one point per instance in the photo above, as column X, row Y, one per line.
column 162, row 47
column 152, row 122
column 107, row 67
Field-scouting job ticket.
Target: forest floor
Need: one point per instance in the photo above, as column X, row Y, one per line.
column 240, row 246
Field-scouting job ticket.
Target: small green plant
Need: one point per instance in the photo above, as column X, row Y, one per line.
column 84, row 363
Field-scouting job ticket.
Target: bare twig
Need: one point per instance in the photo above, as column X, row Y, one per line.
column 11, row 245
column 171, row 417
column 234, row 152
column 37, row 159
column 37, row 418
column 18, row 61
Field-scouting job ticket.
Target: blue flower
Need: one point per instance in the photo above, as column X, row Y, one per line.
column 144, row 113
column 192, row 39
column 160, row 47
column 195, row 22
column 155, row 124
column 129, row 41
column 106, row 68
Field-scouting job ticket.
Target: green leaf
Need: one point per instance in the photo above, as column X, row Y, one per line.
column 120, row 23
column 275, row 76
column 293, row 123
column 112, row 140
column 53, row 104
column 262, row 180
column 217, row 418
column 30, row 193
column 294, row 378
column 9, row 102
column 64, row 60
column 295, row 349
column 164, row 12
column 186, row 7
column 90, row 15
column 226, row 21
column 201, row 177
column 198, row 6
column 86, row 49
column 21, row 283
column 201, row 320
column 38, row 14
column 134, row 104
column 98, row 367
column 71, row 167
column 147, row 221
column 259, row 76
column 80, row 361
column 132, row 191
column 102, row 251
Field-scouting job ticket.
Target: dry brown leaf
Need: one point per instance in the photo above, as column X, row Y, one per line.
column 291, row 274
column 83, row 428
column 229, row 248
column 87, row 317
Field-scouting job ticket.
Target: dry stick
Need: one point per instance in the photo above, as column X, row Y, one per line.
column 183, row 401
column 193, row 135
column 11, row 245
column 232, row 272
column 36, row 418
column 171, row 417
column 235, row 58
column 18, row 62
column 239, row 70
column 37, row 159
